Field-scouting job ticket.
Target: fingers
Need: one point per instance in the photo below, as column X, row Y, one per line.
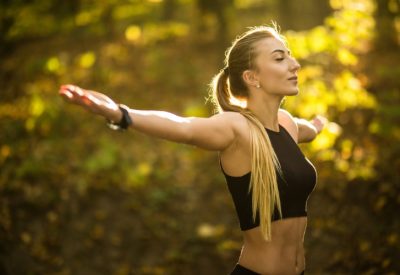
column 86, row 99
column 66, row 94
column 322, row 119
column 75, row 90
column 67, row 91
column 75, row 95
column 92, row 101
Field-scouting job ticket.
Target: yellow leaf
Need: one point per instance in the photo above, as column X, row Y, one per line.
column 37, row 106
column 53, row 64
column 83, row 18
column 342, row 165
column 133, row 33
column 318, row 39
column 326, row 139
column 346, row 57
column 87, row 59
column 229, row 245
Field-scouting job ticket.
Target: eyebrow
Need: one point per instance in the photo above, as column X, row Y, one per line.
column 280, row 51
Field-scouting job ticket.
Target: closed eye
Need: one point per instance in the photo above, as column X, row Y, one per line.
column 282, row 53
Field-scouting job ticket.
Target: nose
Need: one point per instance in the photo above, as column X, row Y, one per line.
column 295, row 65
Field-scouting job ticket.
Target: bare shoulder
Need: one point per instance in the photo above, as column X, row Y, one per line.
column 289, row 123
column 239, row 124
column 235, row 119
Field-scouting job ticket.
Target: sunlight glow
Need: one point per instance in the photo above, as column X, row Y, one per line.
column 238, row 102
column 133, row 33
column 87, row 59
column 53, row 64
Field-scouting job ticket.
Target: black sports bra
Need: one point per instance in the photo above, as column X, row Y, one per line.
column 300, row 180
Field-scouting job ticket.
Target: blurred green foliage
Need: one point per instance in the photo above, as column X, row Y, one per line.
column 76, row 198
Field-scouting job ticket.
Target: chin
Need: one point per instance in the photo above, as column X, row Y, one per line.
column 292, row 92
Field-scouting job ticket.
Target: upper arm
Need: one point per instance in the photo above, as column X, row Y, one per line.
column 289, row 122
column 214, row 133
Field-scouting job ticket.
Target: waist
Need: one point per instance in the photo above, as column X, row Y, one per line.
column 288, row 260
column 284, row 254
column 285, row 232
column 273, row 259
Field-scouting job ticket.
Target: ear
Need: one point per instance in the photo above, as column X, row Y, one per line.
column 250, row 78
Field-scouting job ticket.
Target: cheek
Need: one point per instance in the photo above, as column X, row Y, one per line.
column 275, row 68
column 272, row 74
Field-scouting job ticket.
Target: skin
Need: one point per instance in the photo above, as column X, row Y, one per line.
column 228, row 133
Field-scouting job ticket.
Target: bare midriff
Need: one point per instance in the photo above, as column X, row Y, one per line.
column 283, row 255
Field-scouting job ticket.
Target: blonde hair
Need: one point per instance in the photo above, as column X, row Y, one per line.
column 228, row 92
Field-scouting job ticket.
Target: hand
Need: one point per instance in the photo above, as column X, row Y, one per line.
column 319, row 122
column 92, row 101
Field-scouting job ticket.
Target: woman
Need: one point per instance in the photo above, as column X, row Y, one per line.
column 268, row 176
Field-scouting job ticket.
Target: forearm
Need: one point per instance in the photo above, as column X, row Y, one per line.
column 161, row 124
column 307, row 131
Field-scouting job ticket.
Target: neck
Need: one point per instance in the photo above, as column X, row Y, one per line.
column 265, row 107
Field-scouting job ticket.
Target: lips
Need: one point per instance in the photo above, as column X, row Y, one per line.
column 293, row 78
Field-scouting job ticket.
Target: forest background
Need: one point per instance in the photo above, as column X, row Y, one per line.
column 78, row 198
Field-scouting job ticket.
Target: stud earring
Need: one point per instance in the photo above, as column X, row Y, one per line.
column 258, row 86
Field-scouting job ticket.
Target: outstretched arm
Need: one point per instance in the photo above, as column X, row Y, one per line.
column 214, row 133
